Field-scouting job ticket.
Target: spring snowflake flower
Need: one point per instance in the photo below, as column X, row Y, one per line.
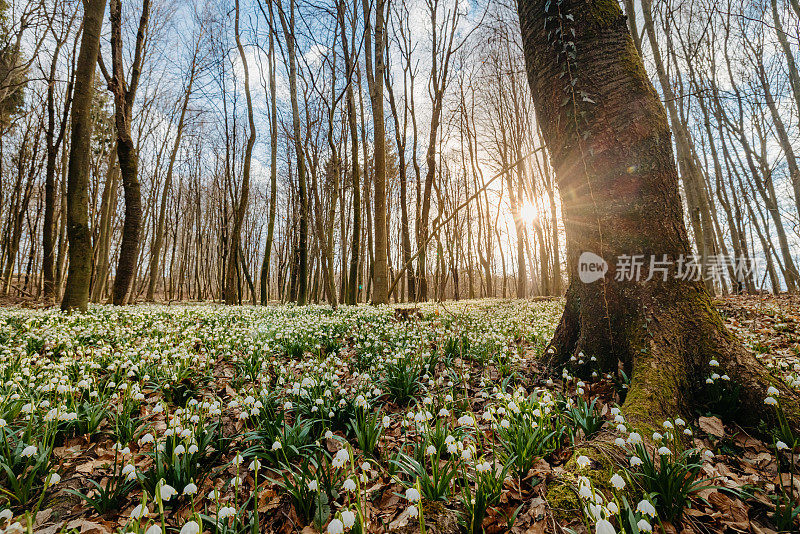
column 139, row 512
column 664, row 451
column 635, row 461
column 341, row 458
column 619, row 442
column 54, row 479
column 154, row 529
column 412, row 495
column 680, row 422
column 312, row 485
column 190, row 489
column 617, row 481
column 226, row 512
column 349, row 485
column 335, row 527
column 167, row 492
column 781, row 446
column 646, row 507
column 386, row 421
column 583, row 461
column 255, row 464
column 348, row 518
column 431, row 450
column 773, row 391
column 28, row 451
column 770, row 401
column 413, row 512
column 276, row 446
column 190, row 527
column 634, row 438
column 644, row 525
column 604, row 527
column 612, row 507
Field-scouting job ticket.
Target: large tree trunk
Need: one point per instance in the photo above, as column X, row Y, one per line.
column 380, row 292
column 127, row 153
column 273, row 172
column 235, row 248
column 76, row 293
column 610, row 146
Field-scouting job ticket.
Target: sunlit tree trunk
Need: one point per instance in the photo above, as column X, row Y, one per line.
column 610, row 146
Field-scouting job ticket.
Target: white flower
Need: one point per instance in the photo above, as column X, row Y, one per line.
column 646, row 507
column 348, row 518
column 431, row 450
column 644, row 526
column 713, row 363
column 190, row 489
column 773, row 391
column 190, row 527
column 635, row 460
column 254, row 465
column 664, row 451
column 226, row 511
column 139, row 511
column 341, row 458
column 617, row 481
column 349, row 484
column 612, row 507
column 635, row 438
column 154, row 529
column 680, row 422
column 604, row 527
column 167, row 492
column 770, row 401
column 312, row 485
column 657, row 436
column 386, row 421
column 412, row 495
column 619, row 442
column 5, row 515
column 29, row 451
column 413, row 511
column 781, row 446
column 54, row 479
column 276, row 446
column 583, row 461
column 335, row 527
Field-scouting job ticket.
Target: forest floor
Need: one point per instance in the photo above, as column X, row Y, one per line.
column 146, row 418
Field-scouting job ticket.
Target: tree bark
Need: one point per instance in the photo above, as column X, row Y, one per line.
column 124, row 95
column 76, row 292
column 241, row 209
column 610, row 146
column 302, row 246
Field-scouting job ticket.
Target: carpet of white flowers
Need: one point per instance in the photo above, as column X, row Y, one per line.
column 203, row 418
